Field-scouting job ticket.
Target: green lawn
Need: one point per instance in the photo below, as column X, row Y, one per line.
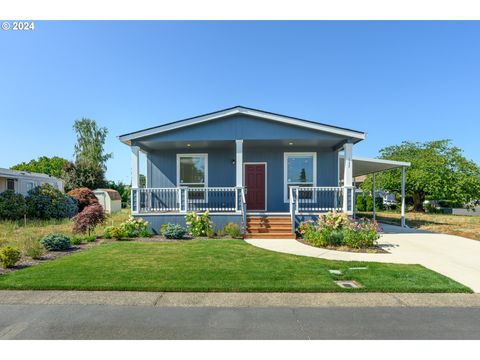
column 215, row 265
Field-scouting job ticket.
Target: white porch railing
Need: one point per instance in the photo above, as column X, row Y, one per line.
column 320, row 199
column 184, row 199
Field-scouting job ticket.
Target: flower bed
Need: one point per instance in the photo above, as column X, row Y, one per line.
column 337, row 230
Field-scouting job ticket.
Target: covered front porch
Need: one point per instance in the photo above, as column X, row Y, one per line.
column 274, row 176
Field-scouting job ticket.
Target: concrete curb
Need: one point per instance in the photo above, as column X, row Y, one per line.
column 185, row 299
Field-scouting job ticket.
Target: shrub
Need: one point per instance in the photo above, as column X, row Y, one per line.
column 84, row 197
column 56, row 242
column 173, row 231
column 89, row 238
column 378, row 203
column 46, row 202
column 12, row 205
column 9, row 256
column 361, row 203
column 117, row 232
column 33, row 248
column 199, row 225
column 76, row 240
column 231, row 229
column 135, row 227
column 86, row 221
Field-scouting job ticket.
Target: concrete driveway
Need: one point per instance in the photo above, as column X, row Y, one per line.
column 453, row 256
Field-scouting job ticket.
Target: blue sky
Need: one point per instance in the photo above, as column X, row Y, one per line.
column 396, row 80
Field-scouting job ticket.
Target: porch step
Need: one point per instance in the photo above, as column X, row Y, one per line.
column 269, row 236
column 269, row 227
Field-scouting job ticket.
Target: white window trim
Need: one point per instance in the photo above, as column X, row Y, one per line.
column 266, row 180
column 285, row 170
column 179, row 184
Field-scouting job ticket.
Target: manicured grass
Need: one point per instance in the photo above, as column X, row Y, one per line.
column 16, row 233
column 216, row 265
column 466, row 226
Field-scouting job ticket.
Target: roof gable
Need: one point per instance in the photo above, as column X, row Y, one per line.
column 357, row 135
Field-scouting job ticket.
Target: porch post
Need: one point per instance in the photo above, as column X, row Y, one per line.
column 135, row 166
column 403, row 197
column 374, row 199
column 239, row 162
column 347, row 177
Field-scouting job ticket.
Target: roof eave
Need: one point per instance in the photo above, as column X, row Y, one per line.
column 127, row 138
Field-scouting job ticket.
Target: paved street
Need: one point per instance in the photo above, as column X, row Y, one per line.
column 147, row 322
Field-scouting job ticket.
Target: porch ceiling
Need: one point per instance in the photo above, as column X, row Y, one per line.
column 205, row 144
column 365, row 166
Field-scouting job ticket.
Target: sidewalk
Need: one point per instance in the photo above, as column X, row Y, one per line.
column 175, row 299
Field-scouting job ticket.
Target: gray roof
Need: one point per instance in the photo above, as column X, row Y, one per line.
column 9, row 172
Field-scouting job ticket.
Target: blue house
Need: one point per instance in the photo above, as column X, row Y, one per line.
column 261, row 170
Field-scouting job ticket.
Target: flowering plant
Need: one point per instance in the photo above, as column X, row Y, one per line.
column 337, row 229
column 199, row 225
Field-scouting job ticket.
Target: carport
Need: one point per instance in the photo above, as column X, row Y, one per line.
column 366, row 166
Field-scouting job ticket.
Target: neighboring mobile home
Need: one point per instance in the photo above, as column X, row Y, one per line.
column 23, row 181
column 262, row 170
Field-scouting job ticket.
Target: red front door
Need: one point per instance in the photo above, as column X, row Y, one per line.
column 255, row 186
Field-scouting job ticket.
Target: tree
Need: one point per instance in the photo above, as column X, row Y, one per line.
column 438, row 171
column 51, row 166
column 90, row 142
column 83, row 174
column 84, row 197
column 89, row 167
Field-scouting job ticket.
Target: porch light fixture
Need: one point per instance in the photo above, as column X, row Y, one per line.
column 290, row 143
column 233, row 162
column 188, row 145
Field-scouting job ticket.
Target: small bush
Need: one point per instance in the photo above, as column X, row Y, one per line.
column 86, row 221
column 199, row 225
column 89, row 238
column 231, row 229
column 33, row 248
column 12, row 205
column 84, row 197
column 135, row 227
column 56, row 242
column 9, row 256
column 173, row 231
column 76, row 240
column 46, row 202
column 378, row 203
column 114, row 232
column 361, row 203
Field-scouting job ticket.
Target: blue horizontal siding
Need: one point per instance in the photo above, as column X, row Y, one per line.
column 242, row 127
column 155, row 221
column 161, row 168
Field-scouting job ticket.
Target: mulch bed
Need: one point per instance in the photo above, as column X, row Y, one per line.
column 160, row 238
column 369, row 250
column 26, row 261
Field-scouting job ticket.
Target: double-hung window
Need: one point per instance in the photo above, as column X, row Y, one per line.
column 11, row 184
column 192, row 171
column 300, row 169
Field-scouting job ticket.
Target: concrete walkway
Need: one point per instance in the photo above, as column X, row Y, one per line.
column 240, row 300
column 453, row 256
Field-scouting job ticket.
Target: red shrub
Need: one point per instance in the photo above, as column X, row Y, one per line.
column 84, row 197
column 88, row 219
